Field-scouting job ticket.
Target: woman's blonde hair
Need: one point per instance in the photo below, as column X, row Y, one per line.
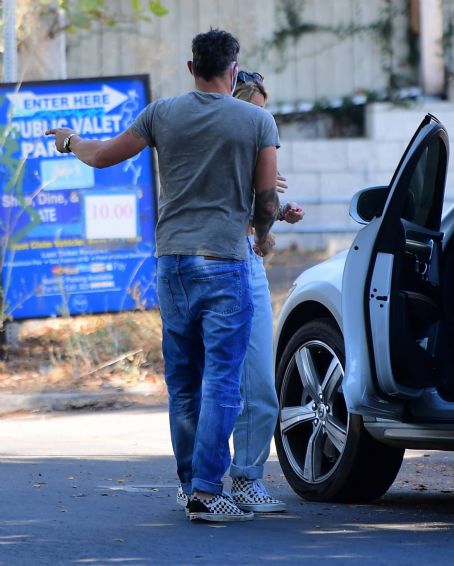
column 245, row 91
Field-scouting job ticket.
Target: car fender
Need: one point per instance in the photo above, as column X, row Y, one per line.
column 316, row 293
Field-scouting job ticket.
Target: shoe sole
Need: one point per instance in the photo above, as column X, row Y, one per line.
column 219, row 518
column 262, row 507
column 182, row 502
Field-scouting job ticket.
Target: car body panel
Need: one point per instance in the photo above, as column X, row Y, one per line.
column 428, row 436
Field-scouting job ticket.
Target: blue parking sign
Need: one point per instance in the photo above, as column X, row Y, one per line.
column 75, row 240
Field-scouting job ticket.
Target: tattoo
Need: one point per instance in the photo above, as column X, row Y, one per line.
column 265, row 211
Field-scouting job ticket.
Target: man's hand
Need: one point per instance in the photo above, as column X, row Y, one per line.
column 264, row 248
column 292, row 213
column 60, row 135
column 100, row 153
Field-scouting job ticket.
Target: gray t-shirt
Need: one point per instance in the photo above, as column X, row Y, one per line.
column 207, row 146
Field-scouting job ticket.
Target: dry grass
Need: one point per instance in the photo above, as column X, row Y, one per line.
column 84, row 353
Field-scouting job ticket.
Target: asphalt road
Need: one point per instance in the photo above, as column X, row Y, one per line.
column 99, row 488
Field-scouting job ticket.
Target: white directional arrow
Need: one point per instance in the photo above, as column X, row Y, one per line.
column 115, row 97
column 27, row 103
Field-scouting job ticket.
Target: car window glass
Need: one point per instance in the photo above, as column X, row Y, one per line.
column 422, row 202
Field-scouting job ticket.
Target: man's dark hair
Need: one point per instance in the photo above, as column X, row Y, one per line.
column 213, row 52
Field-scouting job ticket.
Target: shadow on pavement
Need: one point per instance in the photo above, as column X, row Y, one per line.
column 122, row 510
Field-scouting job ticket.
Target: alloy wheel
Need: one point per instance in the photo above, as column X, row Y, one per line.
column 313, row 418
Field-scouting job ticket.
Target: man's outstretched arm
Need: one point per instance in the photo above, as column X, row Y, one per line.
column 100, row 153
column 266, row 199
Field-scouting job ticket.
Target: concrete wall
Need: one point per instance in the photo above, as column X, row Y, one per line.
column 320, row 64
column 333, row 170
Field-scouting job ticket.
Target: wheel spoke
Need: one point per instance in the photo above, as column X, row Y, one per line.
column 293, row 416
column 308, row 372
column 314, row 456
column 332, row 379
column 337, row 432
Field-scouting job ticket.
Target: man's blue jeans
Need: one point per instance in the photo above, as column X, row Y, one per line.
column 206, row 309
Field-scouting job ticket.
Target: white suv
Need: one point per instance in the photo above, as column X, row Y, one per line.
column 364, row 350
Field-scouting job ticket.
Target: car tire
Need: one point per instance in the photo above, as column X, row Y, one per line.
column 325, row 452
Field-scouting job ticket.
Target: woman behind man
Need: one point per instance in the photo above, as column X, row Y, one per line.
column 254, row 427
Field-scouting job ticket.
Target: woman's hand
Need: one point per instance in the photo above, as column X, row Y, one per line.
column 264, row 248
column 281, row 184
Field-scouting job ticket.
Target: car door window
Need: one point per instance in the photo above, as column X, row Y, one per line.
column 416, row 318
column 421, row 206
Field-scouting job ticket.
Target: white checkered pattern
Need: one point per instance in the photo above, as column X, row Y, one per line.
column 182, row 498
column 251, row 495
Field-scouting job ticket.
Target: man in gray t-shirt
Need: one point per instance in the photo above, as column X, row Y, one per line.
column 216, row 155
column 207, row 144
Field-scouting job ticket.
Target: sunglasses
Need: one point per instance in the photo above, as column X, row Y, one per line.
column 246, row 77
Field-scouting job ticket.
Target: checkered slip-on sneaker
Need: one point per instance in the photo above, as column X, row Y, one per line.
column 182, row 498
column 218, row 508
column 251, row 495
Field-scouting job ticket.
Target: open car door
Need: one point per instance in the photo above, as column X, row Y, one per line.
column 391, row 297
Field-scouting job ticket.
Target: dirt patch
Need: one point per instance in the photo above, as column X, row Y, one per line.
column 87, row 353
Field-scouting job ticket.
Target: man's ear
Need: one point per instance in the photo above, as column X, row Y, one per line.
column 189, row 64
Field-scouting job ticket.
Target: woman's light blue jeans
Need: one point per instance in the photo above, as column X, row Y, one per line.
column 206, row 309
column 256, row 423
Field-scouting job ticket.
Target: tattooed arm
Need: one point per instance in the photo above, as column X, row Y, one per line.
column 100, row 153
column 266, row 199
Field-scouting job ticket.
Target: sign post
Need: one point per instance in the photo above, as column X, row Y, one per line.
column 75, row 240
column 9, row 41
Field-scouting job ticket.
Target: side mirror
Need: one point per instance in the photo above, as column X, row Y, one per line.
column 368, row 204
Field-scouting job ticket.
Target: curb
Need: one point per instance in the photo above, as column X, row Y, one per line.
column 71, row 400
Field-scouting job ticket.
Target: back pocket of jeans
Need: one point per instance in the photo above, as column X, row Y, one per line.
column 220, row 293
